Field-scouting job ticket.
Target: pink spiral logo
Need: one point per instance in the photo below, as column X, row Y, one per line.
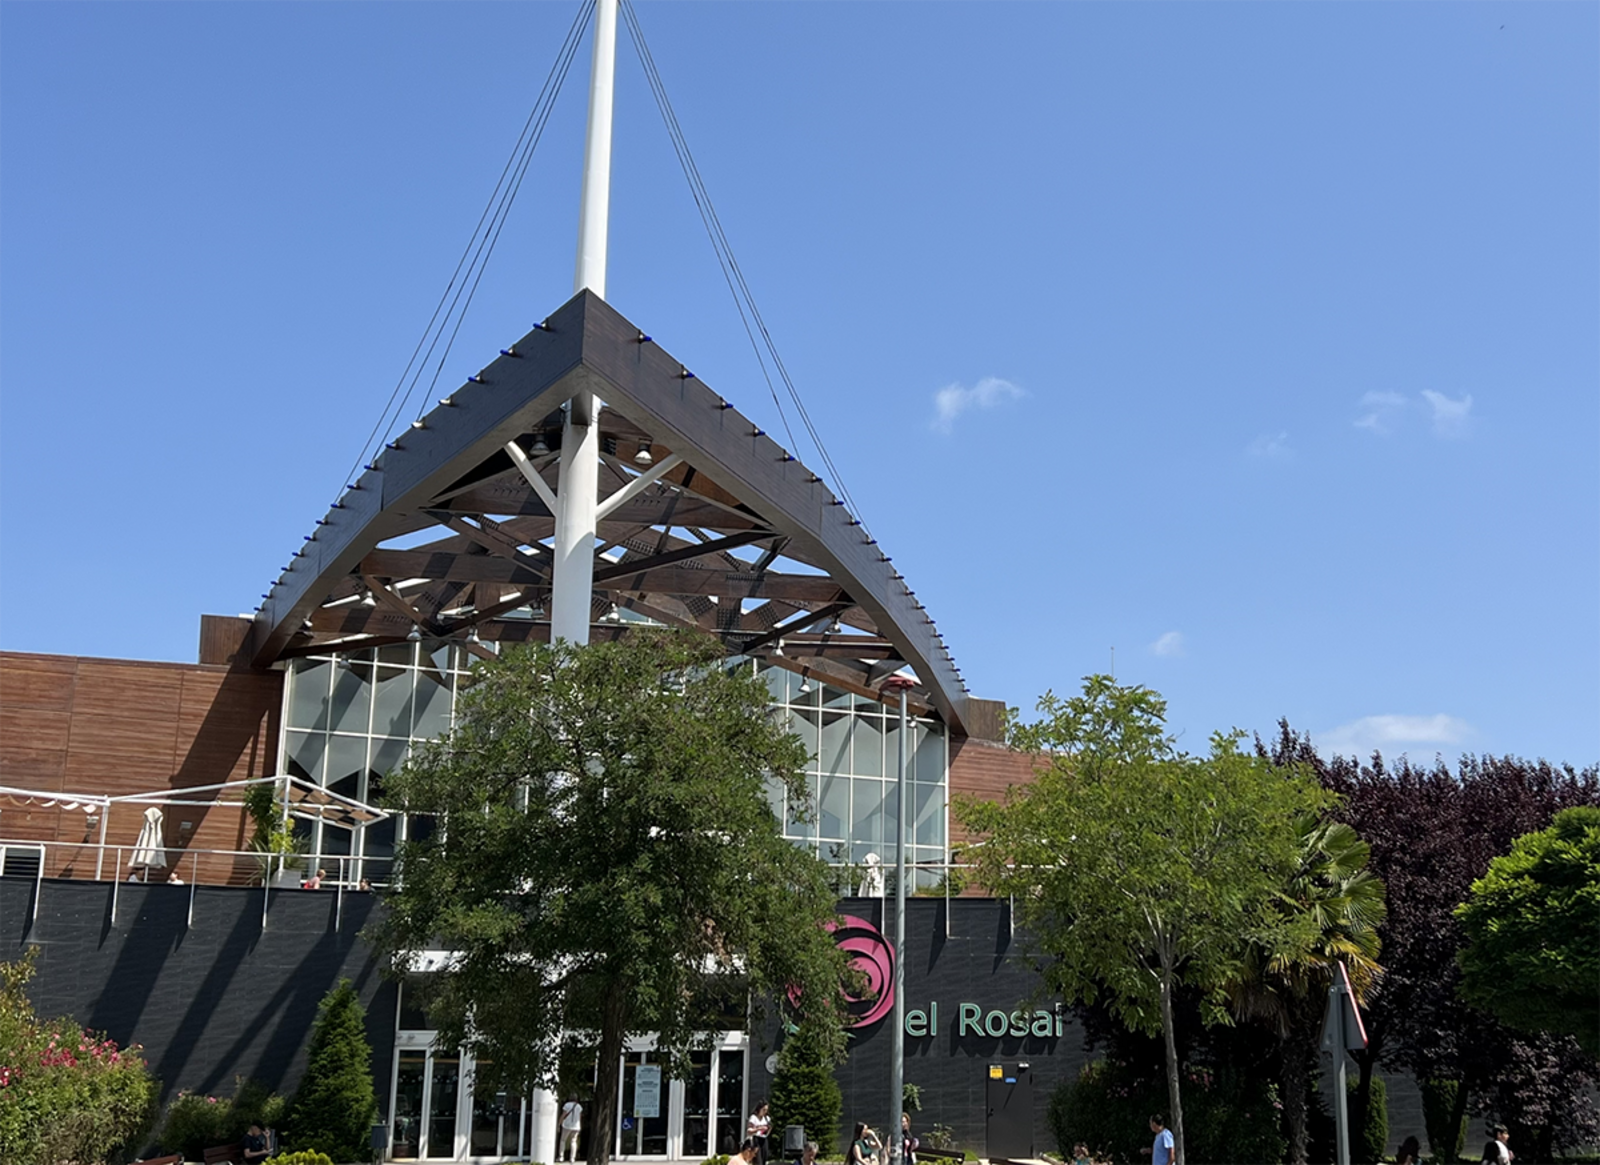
column 873, row 957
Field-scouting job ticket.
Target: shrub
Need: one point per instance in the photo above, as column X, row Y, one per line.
column 1369, row 1131
column 65, row 1093
column 804, row 1091
column 303, row 1157
column 719, row 1159
column 195, row 1123
column 1227, row 1117
column 334, row 1109
column 1438, row 1109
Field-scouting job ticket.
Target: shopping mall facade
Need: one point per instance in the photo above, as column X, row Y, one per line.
column 446, row 548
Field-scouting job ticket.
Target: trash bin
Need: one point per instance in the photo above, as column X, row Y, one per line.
column 794, row 1140
column 380, row 1140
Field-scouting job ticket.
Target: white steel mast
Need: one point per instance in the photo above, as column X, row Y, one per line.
column 572, row 584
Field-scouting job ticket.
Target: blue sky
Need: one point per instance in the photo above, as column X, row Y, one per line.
column 1257, row 342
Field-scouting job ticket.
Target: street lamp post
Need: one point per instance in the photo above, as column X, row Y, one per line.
column 899, row 685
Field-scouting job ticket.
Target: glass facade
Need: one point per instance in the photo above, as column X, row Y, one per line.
column 350, row 719
column 853, row 743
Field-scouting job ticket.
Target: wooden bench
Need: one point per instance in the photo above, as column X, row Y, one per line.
column 223, row 1154
column 175, row 1159
column 940, row 1154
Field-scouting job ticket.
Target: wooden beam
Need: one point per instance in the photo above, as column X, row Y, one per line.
column 474, row 568
column 792, row 626
column 799, row 588
column 682, row 554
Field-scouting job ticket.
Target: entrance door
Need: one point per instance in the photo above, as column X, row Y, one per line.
column 1010, row 1112
column 639, row 1135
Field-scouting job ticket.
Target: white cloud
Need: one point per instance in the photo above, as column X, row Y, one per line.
column 1273, row 446
column 1169, row 644
column 1450, row 417
column 1393, row 734
column 1382, row 411
column 953, row 400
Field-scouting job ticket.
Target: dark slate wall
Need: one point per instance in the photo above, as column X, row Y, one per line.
column 220, row 997
column 980, row 962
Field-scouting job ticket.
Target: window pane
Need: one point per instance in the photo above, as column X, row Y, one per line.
column 347, row 757
column 387, row 756
column 441, row 655
column 308, row 694
column 400, row 654
column 352, row 698
column 835, row 756
column 835, row 807
column 391, row 714
column 891, row 818
column 866, row 812
column 804, row 726
column 868, row 746
column 305, row 754
column 930, row 755
column 432, row 704
column 442, row 1107
column 408, row 1104
column 929, row 802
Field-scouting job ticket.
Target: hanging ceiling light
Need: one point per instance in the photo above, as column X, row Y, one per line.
column 644, row 458
column 805, row 685
column 540, row 445
column 415, row 634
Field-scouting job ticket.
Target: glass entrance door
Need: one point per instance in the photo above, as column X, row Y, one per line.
column 696, row 1117
column 639, row 1135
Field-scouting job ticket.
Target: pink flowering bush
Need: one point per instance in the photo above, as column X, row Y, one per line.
column 66, row 1094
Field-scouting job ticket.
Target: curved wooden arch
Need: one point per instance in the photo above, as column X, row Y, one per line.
column 840, row 612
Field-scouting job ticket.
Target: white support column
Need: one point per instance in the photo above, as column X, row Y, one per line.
column 572, row 584
column 595, row 212
column 542, row 1135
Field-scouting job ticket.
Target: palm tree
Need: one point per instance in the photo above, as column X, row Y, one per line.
column 1328, row 913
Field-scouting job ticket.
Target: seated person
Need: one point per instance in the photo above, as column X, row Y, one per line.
column 255, row 1144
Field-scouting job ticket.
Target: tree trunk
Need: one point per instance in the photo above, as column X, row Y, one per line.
column 613, row 1024
column 1169, row 1031
column 1458, row 1113
column 1295, row 1081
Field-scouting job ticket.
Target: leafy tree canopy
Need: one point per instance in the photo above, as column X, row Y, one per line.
column 1137, row 868
column 1533, row 931
column 605, row 857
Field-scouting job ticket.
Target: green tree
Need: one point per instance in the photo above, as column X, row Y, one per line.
column 606, row 858
column 1531, row 957
column 1136, row 868
column 334, row 1108
column 1328, row 913
column 804, row 1091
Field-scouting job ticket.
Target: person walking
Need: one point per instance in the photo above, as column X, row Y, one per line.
column 908, row 1141
column 1498, row 1150
column 1163, row 1151
column 571, row 1126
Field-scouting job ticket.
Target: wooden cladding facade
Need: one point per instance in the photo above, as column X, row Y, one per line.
column 984, row 769
column 113, row 727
